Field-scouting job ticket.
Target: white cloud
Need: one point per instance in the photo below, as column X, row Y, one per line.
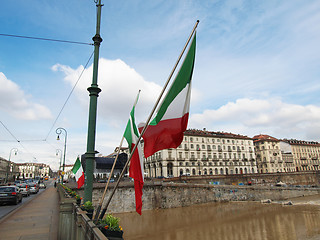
column 254, row 116
column 120, row 84
column 19, row 105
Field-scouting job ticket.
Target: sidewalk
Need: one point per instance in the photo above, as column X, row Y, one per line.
column 35, row 220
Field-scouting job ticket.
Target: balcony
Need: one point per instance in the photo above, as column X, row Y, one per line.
column 170, row 159
column 204, row 159
column 193, row 159
column 186, row 149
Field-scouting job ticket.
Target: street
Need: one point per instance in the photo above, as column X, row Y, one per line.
column 7, row 208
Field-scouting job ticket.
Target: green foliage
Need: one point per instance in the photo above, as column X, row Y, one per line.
column 110, row 222
column 87, row 206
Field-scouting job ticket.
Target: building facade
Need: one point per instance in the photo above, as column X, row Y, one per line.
column 306, row 154
column 287, row 157
column 32, row 170
column 8, row 170
column 204, row 153
column 268, row 154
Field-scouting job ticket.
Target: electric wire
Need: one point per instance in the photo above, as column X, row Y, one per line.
column 44, row 39
column 55, row 121
column 45, row 140
column 18, row 141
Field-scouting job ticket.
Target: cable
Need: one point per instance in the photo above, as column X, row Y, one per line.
column 16, row 139
column 9, row 132
column 45, row 39
column 55, row 121
column 45, row 140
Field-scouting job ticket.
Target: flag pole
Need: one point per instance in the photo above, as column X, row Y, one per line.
column 111, row 172
column 106, row 187
column 148, row 120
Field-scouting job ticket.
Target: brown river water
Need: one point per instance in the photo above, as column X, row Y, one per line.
column 227, row 221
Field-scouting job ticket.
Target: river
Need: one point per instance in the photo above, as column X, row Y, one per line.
column 227, row 221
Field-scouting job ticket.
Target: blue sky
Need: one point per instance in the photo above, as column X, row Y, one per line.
column 257, row 69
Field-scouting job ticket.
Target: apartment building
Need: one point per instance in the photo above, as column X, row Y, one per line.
column 31, row 170
column 306, row 154
column 205, row 152
column 268, row 153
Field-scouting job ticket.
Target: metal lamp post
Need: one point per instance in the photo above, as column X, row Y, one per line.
column 94, row 91
column 57, row 153
column 15, row 150
column 59, row 131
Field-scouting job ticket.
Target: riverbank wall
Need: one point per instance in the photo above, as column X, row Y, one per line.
column 183, row 192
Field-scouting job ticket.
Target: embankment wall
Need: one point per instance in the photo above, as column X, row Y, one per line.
column 186, row 192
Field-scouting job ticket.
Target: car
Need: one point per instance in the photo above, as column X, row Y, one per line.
column 25, row 190
column 34, row 187
column 11, row 194
column 42, row 185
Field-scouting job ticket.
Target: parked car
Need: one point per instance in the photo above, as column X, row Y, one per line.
column 42, row 185
column 25, row 190
column 11, row 194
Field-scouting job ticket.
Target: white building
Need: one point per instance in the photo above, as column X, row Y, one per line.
column 205, row 153
column 32, row 170
column 269, row 159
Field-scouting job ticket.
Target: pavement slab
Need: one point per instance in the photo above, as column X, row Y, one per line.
column 36, row 220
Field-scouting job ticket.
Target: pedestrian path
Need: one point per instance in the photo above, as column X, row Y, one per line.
column 35, row 220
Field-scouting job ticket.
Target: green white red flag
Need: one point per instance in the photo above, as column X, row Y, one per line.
column 136, row 169
column 171, row 120
column 78, row 172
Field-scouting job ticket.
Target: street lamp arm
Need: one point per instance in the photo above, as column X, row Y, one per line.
column 59, row 131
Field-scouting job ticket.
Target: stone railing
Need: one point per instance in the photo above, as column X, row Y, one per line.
column 74, row 224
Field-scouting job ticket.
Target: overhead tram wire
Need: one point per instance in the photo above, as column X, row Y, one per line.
column 18, row 141
column 54, row 40
column 44, row 39
column 65, row 103
column 45, row 140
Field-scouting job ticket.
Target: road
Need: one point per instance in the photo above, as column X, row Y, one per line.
column 7, row 208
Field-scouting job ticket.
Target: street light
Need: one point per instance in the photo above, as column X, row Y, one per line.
column 57, row 153
column 15, row 150
column 59, row 131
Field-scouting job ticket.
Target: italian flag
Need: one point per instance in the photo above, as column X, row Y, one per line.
column 167, row 128
column 78, row 172
column 136, row 169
